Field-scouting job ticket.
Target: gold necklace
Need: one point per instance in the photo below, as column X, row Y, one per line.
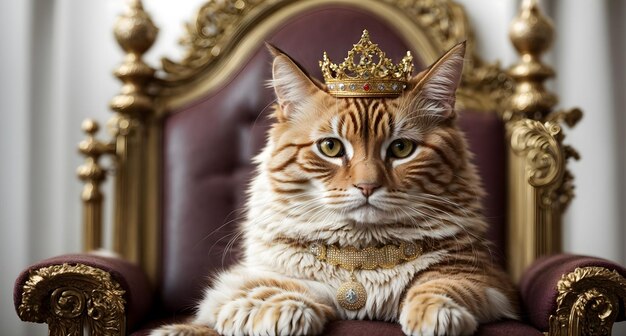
column 351, row 294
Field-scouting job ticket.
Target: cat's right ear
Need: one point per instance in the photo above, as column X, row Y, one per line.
column 292, row 86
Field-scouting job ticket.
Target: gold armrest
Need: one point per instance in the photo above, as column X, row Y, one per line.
column 72, row 299
column 588, row 302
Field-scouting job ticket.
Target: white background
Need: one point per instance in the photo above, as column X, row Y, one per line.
column 56, row 58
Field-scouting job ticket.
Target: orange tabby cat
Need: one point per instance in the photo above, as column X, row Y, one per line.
column 343, row 177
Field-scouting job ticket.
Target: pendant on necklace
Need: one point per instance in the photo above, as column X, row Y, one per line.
column 351, row 295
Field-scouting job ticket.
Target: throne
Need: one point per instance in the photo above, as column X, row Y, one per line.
column 178, row 188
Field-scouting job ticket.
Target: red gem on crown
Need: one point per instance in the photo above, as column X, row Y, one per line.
column 366, row 87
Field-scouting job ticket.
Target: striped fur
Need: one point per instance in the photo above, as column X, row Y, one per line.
column 300, row 195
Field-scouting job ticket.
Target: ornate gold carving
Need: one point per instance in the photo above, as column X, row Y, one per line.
column 70, row 297
column 588, row 302
column 541, row 187
column 135, row 32
column 216, row 24
column 540, row 145
column 220, row 27
column 531, row 33
column 486, row 87
column 569, row 117
column 93, row 175
column 536, row 199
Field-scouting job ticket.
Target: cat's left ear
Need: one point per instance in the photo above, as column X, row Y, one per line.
column 292, row 86
column 435, row 88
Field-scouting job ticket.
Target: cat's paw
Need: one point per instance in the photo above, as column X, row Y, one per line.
column 184, row 330
column 432, row 314
column 280, row 314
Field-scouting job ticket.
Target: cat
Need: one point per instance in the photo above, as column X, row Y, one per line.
column 356, row 173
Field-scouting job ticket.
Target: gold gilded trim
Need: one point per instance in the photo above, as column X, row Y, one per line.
column 71, row 297
column 485, row 87
column 92, row 174
column 130, row 127
column 540, row 186
column 225, row 34
column 540, row 145
column 532, row 34
column 588, row 302
column 536, row 175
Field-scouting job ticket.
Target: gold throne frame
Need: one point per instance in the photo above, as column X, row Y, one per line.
column 222, row 36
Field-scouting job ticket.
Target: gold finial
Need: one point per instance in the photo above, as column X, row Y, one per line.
column 366, row 72
column 134, row 109
column 93, row 175
column 531, row 33
column 134, row 30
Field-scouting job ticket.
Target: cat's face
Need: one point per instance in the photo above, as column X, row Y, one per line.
column 371, row 160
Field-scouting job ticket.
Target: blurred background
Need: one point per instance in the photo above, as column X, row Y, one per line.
column 56, row 61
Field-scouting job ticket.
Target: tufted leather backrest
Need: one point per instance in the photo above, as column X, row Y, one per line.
column 208, row 146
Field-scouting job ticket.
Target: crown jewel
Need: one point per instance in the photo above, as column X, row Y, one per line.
column 366, row 72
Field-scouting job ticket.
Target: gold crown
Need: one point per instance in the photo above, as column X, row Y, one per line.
column 374, row 75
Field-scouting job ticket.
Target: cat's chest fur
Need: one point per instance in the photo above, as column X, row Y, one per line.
column 384, row 287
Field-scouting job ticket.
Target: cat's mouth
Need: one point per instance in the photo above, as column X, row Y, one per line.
column 367, row 205
column 367, row 213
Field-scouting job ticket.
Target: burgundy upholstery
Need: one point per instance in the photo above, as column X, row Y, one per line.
column 507, row 328
column 132, row 279
column 485, row 135
column 366, row 328
column 538, row 284
column 209, row 143
column 371, row 328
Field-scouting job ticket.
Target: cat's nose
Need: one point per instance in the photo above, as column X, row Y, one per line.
column 367, row 188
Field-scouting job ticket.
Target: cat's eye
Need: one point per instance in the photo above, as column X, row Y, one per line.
column 401, row 148
column 331, row 147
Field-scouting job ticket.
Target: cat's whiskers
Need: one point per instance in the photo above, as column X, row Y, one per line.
column 271, row 103
column 455, row 220
column 311, row 204
column 442, row 200
column 425, row 211
column 230, row 245
column 241, row 217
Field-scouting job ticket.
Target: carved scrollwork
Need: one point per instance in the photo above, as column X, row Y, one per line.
column 218, row 21
column 220, row 25
column 212, row 33
column 588, row 302
column 67, row 297
column 67, row 302
column 489, row 85
column 540, row 144
column 444, row 21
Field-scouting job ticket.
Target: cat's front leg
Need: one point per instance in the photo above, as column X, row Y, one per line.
column 452, row 305
column 244, row 303
column 436, row 314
